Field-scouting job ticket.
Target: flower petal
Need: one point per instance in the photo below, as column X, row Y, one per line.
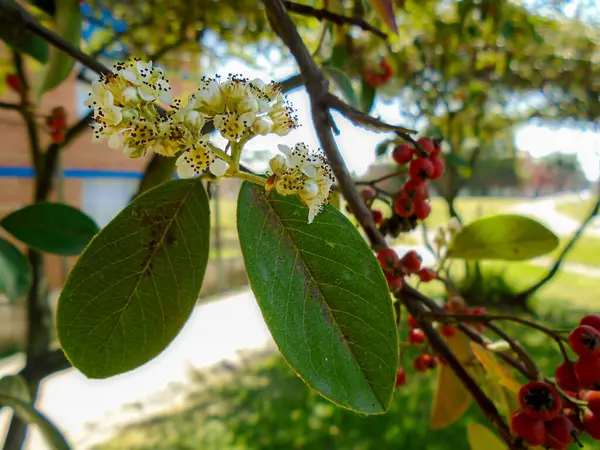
column 218, row 167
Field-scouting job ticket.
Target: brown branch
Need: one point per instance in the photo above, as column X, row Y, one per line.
column 14, row 106
column 321, row 102
column 324, row 14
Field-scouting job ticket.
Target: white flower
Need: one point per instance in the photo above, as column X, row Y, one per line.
column 194, row 161
column 300, row 172
column 218, row 167
column 233, row 126
column 130, row 95
column 263, row 125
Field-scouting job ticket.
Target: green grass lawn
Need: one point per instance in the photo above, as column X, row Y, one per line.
column 586, row 251
column 576, row 210
column 470, row 208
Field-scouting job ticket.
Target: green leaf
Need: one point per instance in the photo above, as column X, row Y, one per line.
column 367, row 97
column 323, row 297
column 13, row 31
column 68, row 26
column 15, row 271
column 455, row 160
column 338, row 57
column 15, row 386
column 159, row 170
column 137, row 282
column 51, row 227
column 29, row 414
column 344, row 84
column 505, row 237
column 382, row 148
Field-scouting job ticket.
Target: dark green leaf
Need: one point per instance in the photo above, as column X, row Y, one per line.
column 504, row 237
column 15, row 271
column 383, row 147
column 13, row 31
column 48, row 6
column 367, row 97
column 29, row 414
column 323, row 297
column 455, row 160
column 159, row 170
column 68, row 26
column 135, row 285
column 51, row 227
column 344, row 84
column 338, row 57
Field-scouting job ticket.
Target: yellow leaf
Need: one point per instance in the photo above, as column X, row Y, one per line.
column 481, row 438
column 495, row 369
column 385, row 10
column 451, row 399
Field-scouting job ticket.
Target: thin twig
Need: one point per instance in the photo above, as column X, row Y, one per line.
column 380, row 179
column 5, row 105
column 324, row 14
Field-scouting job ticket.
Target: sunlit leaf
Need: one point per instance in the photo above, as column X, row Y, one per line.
column 493, row 367
column 323, row 297
column 504, row 237
column 481, row 438
column 451, row 399
column 385, row 10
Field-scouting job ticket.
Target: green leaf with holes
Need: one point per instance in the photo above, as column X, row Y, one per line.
column 51, row 227
column 323, row 297
column 15, row 271
column 136, row 284
column 15, row 394
column 503, row 237
column 16, row 35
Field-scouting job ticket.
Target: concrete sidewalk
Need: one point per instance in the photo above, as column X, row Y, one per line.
column 215, row 332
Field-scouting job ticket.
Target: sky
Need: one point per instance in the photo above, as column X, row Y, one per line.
column 357, row 144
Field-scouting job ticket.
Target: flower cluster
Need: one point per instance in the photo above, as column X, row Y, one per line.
column 239, row 108
column 303, row 173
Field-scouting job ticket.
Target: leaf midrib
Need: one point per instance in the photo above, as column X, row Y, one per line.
column 334, row 319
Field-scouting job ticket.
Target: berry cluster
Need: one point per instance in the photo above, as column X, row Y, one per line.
column 57, row 124
column 541, row 420
column 396, row 268
column 14, row 82
column 546, row 418
column 424, row 165
column 381, row 75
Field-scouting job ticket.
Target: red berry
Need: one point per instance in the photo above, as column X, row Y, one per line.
column 593, row 320
column 591, row 423
column 412, row 322
column 420, row 169
column 540, row 400
column 426, row 275
column 559, row 433
column 565, row 377
column 394, row 282
column 414, row 189
column 593, row 399
column 377, row 216
column 584, row 340
column 403, row 153
column 57, row 137
column 388, row 259
column 437, row 149
column 404, row 207
column 416, row 336
column 411, row 262
column 400, row 378
column 424, row 362
column 478, row 311
column 426, row 144
column 438, row 167
column 386, row 68
column 422, row 209
column 587, row 371
column 14, row 82
column 530, row 429
column 448, row 331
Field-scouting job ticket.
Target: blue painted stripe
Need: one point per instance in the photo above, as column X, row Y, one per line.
column 27, row 172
